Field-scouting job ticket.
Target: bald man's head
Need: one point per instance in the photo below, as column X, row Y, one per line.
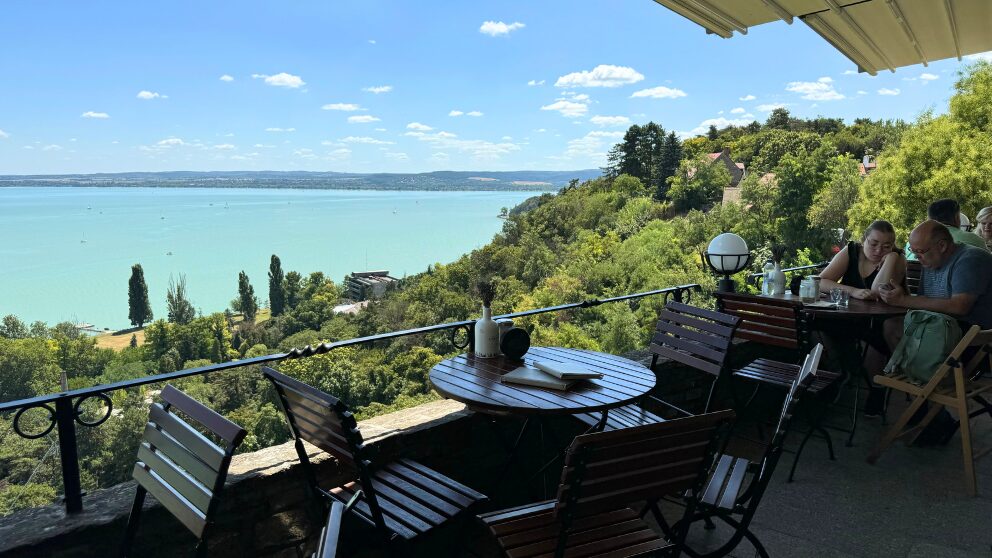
column 932, row 243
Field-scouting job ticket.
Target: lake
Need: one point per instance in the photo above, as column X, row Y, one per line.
column 66, row 253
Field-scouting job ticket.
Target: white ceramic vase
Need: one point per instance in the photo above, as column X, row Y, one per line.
column 486, row 335
column 777, row 280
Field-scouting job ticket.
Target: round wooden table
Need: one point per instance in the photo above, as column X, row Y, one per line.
column 476, row 382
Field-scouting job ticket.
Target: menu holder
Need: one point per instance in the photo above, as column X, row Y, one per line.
column 528, row 376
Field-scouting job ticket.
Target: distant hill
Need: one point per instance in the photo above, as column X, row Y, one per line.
column 440, row 180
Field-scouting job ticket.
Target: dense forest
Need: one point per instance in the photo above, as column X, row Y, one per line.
column 639, row 226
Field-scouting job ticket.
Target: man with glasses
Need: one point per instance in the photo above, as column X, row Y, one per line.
column 948, row 213
column 956, row 278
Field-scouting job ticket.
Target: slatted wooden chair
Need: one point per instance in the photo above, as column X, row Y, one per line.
column 328, row 547
column 696, row 337
column 954, row 385
column 604, row 473
column 769, row 321
column 400, row 499
column 913, row 272
column 183, row 469
column 734, row 490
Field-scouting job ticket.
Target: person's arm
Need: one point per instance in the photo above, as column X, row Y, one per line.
column 958, row 305
column 834, row 271
column 893, row 270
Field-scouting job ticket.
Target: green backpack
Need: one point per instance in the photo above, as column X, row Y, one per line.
column 928, row 337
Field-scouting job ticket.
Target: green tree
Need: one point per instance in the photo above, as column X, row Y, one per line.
column 698, row 184
column 292, row 289
column 180, row 309
column 779, row 119
column 139, row 310
column 277, row 288
column 13, row 328
column 835, row 198
column 246, row 298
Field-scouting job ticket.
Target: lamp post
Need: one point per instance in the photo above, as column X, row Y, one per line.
column 726, row 255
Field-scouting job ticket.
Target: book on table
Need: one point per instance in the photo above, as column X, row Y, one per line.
column 528, row 376
column 566, row 371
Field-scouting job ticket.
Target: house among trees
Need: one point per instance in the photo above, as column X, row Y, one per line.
column 736, row 170
column 365, row 285
column 867, row 165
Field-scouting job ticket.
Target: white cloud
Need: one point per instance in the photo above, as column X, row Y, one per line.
column 455, row 113
column 280, row 129
column 592, row 146
column 4, row 135
column 535, row 83
column 282, row 79
column 819, row 90
column 929, row 77
column 365, row 140
column 887, row 91
column 171, row 142
column 748, row 98
column 224, row 147
column 604, row 75
column 540, row 130
column 768, row 107
column 91, row 114
column 347, row 107
column 226, row 77
column 660, row 92
column 862, row 92
column 371, row 41
column 418, row 126
column 610, row 120
column 339, row 154
column 362, row 119
column 498, row 28
column 28, row 147
column 849, row 72
column 987, row 56
column 378, row 89
column 567, row 108
column 52, row 147
column 149, row 95
column 474, row 113
column 305, row 153
column 480, row 149
column 396, row 156
column 738, row 110
column 721, row 122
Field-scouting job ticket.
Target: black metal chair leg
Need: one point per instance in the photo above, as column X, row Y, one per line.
column 133, row 520
column 854, row 414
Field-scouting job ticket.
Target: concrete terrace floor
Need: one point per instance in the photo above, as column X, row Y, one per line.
column 912, row 504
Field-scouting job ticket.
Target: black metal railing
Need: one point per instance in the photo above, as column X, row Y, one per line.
column 64, row 407
column 753, row 278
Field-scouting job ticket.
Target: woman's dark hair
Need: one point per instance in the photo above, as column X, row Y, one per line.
column 880, row 226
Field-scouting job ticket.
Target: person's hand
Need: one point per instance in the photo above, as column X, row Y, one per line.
column 892, row 293
column 864, row 294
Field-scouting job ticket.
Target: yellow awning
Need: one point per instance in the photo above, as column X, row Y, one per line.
column 874, row 34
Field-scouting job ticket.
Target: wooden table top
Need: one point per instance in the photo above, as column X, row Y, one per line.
column 856, row 309
column 476, row 382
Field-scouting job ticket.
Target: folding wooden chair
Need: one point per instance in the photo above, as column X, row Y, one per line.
column 695, row 337
column 183, row 469
column 400, row 500
column 604, row 473
column 769, row 321
column 734, row 490
column 953, row 385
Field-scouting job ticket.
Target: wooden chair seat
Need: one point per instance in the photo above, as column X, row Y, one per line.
column 726, row 482
column 414, row 498
column 782, row 375
column 532, row 530
column 621, row 417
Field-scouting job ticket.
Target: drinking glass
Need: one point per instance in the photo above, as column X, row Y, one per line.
column 835, row 295
column 840, row 297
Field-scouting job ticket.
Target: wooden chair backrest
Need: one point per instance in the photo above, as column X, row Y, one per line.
column 974, row 337
column 771, row 321
column 319, row 418
column 607, row 470
column 181, row 467
column 913, row 272
column 694, row 336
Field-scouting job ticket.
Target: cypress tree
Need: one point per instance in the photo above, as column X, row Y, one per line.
column 180, row 308
column 139, row 310
column 277, row 290
column 246, row 296
column 291, row 287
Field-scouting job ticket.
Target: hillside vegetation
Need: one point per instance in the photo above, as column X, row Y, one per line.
column 640, row 226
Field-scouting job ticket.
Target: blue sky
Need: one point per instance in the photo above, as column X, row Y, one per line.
column 391, row 86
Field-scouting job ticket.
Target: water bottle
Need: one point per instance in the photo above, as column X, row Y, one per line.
column 766, row 277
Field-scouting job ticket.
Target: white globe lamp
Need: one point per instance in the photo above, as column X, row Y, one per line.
column 726, row 255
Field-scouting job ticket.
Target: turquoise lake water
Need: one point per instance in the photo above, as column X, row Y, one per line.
column 66, row 253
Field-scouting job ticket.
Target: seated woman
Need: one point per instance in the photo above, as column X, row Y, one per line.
column 983, row 225
column 862, row 268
